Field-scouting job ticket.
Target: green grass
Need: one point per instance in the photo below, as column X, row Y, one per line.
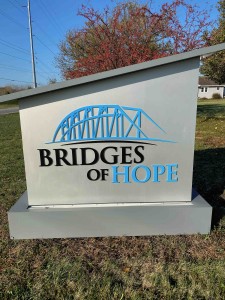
column 159, row 267
column 8, row 104
column 209, row 163
column 211, row 109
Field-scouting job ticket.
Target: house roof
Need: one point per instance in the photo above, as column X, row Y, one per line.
column 206, row 81
column 113, row 73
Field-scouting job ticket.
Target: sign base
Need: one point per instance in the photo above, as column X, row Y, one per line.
column 101, row 220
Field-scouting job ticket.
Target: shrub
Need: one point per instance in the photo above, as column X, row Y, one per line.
column 203, row 98
column 216, row 96
column 8, row 89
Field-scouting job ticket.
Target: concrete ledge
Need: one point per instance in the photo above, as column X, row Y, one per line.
column 109, row 220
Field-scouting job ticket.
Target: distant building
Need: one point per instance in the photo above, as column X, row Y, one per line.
column 207, row 87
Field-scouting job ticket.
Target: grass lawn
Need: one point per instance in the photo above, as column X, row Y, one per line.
column 9, row 104
column 159, row 267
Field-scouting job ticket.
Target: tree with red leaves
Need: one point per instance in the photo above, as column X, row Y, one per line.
column 131, row 33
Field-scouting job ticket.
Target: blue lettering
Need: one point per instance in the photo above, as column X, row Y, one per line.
column 158, row 170
column 172, row 170
column 147, row 175
column 116, row 174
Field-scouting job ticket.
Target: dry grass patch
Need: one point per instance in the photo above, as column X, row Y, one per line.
column 158, row 267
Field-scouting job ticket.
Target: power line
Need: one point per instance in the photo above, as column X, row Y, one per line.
column 51, row 16
column 44, row 45
column 13, row 45
column 13, row 68
column 17, row 2
column 19, row 8
column 39, row 74
column 13, row 48
column 15, row 56
column 49, row 73
column 47, row 35
column 15, row 80
column 3, row 65
column 38, row 60
column 19, row 70
column 11, row 19
column 44, row 11
column 22, row 70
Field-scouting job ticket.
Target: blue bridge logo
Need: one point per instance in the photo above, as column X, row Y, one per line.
column 105, row 123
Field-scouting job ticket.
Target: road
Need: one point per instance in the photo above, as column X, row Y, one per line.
column 6, row 111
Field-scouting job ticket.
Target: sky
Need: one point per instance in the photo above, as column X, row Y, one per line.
column 51, row 19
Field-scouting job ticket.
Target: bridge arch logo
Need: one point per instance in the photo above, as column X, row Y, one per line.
column 105, row 123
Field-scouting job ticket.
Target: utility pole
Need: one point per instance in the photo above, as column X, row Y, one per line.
column 31, row 45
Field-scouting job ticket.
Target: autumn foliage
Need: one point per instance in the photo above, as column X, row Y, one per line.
column 214, row 65
column 131, row 33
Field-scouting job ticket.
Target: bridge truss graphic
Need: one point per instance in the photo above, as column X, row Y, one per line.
column 104, row 122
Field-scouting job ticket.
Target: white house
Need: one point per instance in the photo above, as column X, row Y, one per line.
column 207, row 87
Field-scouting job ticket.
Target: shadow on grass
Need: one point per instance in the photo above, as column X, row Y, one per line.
column 209, row 179
column 211, row 111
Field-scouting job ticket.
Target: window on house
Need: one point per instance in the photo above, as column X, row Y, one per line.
column 218, row 88
column 206, row 89
column 202, row 89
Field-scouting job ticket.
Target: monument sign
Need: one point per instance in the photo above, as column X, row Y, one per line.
column 112, row 153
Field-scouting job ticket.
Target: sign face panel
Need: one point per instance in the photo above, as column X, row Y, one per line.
column 127, row 139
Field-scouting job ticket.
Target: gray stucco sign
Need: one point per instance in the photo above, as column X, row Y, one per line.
column 111, row 152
